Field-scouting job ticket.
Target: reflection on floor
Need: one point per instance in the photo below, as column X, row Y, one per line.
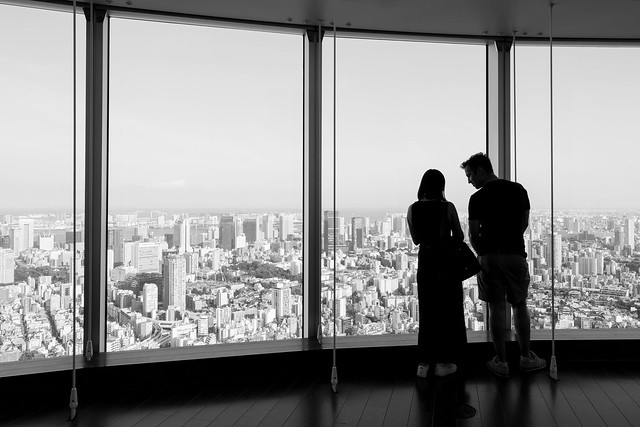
column 588, row 394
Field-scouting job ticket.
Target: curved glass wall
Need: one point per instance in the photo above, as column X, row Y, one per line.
column 36, row 217
column 204, row 241
column 205, row 185
column 402, row 107
column 596, row 213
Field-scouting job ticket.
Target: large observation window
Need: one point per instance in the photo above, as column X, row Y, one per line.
column 205, row 185
column 595, row 219
column 401, row 107
column 36, row 217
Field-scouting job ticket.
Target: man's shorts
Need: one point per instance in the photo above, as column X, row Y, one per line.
column 503, row 274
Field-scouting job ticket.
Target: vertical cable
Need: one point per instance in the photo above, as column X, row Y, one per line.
column 553, row 369
column 515, row 133
column 89, row 326
column 334, row 370
column 73, row 400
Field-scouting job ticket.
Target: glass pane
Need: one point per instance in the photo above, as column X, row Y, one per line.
column 596, row 136
column 401, row 108
column 205, row 186
column 36, row 219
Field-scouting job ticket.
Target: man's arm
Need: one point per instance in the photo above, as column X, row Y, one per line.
column 474, row 234
column 525, row 221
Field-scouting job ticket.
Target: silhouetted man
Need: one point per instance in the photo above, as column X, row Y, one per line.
column 498, row 217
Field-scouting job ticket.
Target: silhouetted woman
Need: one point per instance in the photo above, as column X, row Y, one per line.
column 442, row 331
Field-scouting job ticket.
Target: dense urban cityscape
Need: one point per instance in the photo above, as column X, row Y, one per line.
column 182, row 280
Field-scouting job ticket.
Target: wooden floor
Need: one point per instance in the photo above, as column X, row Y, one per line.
column 587, row 394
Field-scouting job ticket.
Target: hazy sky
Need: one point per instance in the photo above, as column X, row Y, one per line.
column 211, row 119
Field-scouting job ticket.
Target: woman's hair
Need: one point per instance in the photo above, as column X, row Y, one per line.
column 432, row 185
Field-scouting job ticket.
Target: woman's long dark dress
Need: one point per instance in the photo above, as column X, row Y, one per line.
column 442, row 331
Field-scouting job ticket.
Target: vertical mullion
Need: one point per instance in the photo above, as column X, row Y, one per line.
column 312, row 180
column 95, row 182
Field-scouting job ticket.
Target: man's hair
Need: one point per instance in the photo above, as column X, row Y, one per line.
column 478, row 160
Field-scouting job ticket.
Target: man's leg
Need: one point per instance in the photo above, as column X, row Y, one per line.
column 498, row 324
column 522, row 324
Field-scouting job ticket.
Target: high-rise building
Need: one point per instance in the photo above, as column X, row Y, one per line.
column 267, row 226
column 333, row 230
column 16, row 236
column 174, row 280
column 118, row 245
column 182, row 235
column 286, row 226
column 251, row 227
column 149, row 298
column 26, row 224
column 45, row 242
column 282, row 301
column 402, row 261
column 145, row 257
column 7, row 266
column 228, row 232
column 557, row 251
column 400, row 224
column 629, row 232
column 191, row 259
column 359, row 232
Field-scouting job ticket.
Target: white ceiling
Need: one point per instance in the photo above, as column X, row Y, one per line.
column 595, row 19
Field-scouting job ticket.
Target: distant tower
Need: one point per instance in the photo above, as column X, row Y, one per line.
column 267, row 226
column 149, row 298
column 557, row 251
column 282, row 301
column 7, row 266
column 358, row 232
column 27, row 228
column 333, row 229
column 286, row 226
column 174, row 281
column 145, row 257
column 228, row 232
column 182, row 235
column 629, row 232
column 251, row 227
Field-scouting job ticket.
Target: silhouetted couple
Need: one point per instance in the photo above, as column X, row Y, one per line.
column 498, row 217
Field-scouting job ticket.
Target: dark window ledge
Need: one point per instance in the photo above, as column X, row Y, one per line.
column 588, row 339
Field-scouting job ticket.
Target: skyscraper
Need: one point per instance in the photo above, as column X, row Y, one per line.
column 182, row 235
column 333, row 230
column 7, row 266
column 228, row 232
column 149, row 298
column 251, row 227
column 16, row 236
column 174, row 280
column 282, row 301
column 358, row 232
column 267, row 226
column 118, row 244
column 145, row 257
column 557, row 251
column 286, row 226
column 27, row 228
column 629, row 232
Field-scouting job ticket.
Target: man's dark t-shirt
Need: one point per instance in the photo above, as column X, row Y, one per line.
column 499, row 206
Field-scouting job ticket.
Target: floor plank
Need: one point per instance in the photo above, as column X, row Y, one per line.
column 588, row 394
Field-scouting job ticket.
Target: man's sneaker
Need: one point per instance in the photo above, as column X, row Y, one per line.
column 444, row 369
column 423, row 370
column 499, row 368
column 532, row 363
